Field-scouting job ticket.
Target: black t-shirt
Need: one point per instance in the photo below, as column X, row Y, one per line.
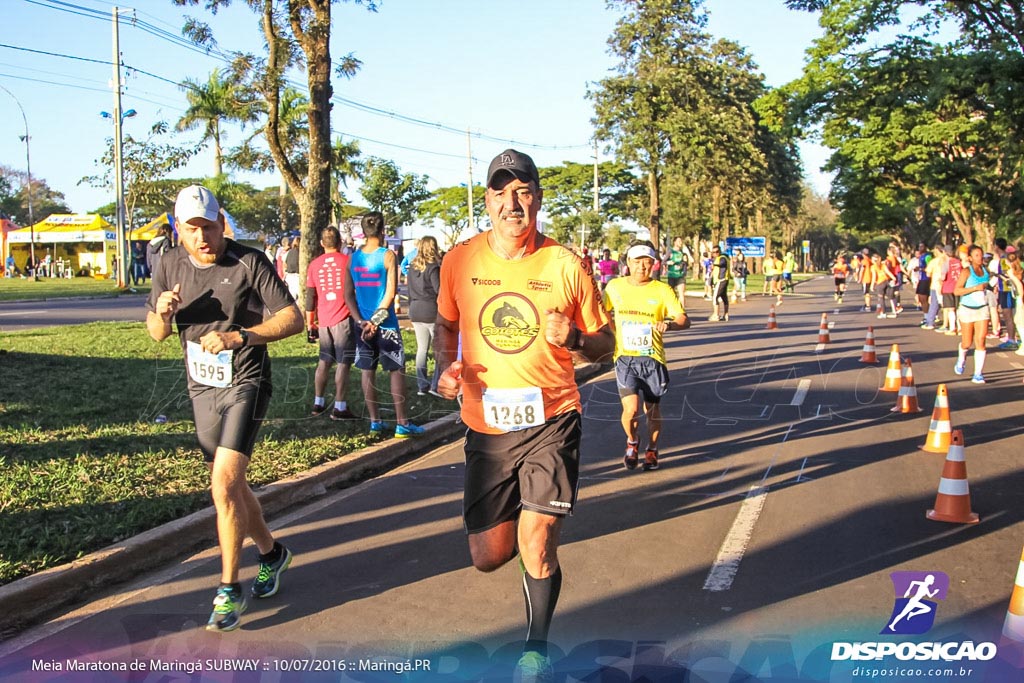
column 423, row 288
column 229, row 295
column 291, row 261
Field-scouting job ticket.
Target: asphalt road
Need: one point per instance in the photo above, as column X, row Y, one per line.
column 33, row 314
column 788, row 494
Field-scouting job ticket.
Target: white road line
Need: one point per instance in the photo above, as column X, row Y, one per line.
column 819, row 348
column 1017, row 365
column 23, row 313
column 801, row 392
column 727, row 564
column 831, row 324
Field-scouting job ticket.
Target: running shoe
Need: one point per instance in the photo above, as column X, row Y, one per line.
column 881, row 316
column 1008, row 346
column 890, row 315
column 228, row 606
column 958, row 368
column 268, row 579
column 840, row 300
column 533, row 667
column 404, row 431
column 713, row 318
column 650, row 460
column 435, row 393
column 950, row 333
column 899, row 309
column 345, row 414
column 978, row 379
column 378, row 427
column 927, row 327
column 725, row 317
column 318, row 410
column 632, row 457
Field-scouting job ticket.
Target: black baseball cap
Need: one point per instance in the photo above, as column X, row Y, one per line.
column 518, row 164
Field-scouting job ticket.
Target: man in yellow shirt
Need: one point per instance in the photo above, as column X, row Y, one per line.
column 523, row 305
column 644, row 309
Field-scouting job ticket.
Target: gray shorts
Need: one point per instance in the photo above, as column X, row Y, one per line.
column 641, row 375
column 338, row 342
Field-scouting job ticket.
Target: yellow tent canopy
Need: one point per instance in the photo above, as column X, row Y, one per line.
column 65, row 227
column 148, row 231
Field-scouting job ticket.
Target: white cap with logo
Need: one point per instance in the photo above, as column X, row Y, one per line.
column 195, row 201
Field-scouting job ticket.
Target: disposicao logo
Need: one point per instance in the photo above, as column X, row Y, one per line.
column 913, row 613
column 916, row 593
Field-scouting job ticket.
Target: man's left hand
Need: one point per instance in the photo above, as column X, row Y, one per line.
column 557, row 327
column 215, row 342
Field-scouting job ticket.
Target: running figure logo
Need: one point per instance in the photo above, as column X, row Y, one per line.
column 914, row 611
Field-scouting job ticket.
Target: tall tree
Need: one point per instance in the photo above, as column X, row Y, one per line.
column 569, row 197
column 209, row 105
column 393, row 193
column 448, row 205
column 345, row 166
column 14, row 197
column 296, row 33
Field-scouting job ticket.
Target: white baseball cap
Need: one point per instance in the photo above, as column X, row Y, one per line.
column 195, row 201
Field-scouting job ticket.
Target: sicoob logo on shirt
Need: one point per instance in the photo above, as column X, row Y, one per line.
column 509, row 322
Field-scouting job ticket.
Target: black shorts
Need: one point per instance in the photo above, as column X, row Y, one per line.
column 924, row 287
column 384, row 349
column 641, row 375
column 1006, row 301
column 229, row 417
column 536, row 469
column 338, row 342
column 674, row 281
column 950, row 301
column 840, row 281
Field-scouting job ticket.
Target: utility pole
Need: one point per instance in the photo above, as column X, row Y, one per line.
column 122, row 250
column 469, row 185
column 597, row 203
column 28, row 187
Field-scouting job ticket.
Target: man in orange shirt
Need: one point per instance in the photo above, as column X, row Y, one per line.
column 523, row 305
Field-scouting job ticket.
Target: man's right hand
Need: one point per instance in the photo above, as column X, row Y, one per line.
column 168, row 302
column 449, row 384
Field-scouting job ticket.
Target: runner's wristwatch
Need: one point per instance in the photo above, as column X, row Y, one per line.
column 245, row 337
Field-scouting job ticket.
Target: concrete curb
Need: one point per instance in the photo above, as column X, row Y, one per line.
column 29, row 600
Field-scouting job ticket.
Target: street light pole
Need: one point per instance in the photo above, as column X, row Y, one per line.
column 28, row 187
column 122, row 251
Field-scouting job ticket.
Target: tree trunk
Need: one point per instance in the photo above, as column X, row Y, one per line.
column 654, row 189
column 218, row 153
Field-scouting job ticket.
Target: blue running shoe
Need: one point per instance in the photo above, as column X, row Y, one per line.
column 378, row 427
column 227, row 611
column 978, row 379
column 958, row 368
column 268, row 580
column 407, row 430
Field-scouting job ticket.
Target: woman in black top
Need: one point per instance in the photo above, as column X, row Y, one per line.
column 424, row 283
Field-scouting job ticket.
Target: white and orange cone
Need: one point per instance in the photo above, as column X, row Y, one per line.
column 772, row 325
column 906, row 402
column 893, row 375
column 868, row 354
column 940, row 429
column 953, row 502
column 823, row 337
column 1011, row 645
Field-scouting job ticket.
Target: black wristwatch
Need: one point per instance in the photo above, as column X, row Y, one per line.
column 245, row 337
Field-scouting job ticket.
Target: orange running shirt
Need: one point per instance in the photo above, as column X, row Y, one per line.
column 509, row 368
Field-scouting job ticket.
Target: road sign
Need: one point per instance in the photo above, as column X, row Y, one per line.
column 750, row 246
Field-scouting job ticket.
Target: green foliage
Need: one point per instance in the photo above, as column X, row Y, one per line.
column 14, row 197
column 396, row 195
column 212, row 103
column 449, row 206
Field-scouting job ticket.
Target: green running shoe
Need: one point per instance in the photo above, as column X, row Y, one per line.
column 227, row 611
column 268, row 579
column 534, row 667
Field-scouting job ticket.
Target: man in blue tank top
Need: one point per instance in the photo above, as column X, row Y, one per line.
column 370, row 293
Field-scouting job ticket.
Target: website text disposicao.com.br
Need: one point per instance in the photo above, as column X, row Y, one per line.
column 909, row 672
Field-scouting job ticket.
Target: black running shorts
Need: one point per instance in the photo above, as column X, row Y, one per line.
column 229, row 417
column 338, row 342
column 641, row 375
column 384, row 348
column 536, row 469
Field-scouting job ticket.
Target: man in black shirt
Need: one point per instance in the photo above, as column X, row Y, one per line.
column 216, row 291
column 291, row 269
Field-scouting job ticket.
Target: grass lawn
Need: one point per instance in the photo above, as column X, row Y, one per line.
column 84, row 463
column 14, row 289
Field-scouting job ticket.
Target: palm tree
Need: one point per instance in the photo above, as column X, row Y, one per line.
column 345, row 165
column 210, row 104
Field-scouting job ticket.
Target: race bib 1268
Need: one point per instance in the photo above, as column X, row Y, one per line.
column 513, row 409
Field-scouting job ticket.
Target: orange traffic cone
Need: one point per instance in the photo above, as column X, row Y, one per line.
column 868, row 354
column 906, row 402
column 893, row 377
column 953, row 503
column 940, row 428
column 1011, row 645
column 823, row 337
column 772, row 325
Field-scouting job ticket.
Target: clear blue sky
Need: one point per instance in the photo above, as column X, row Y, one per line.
column 507, row 71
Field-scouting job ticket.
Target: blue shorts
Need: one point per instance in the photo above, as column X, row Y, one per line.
column 641, row 375
column 384, row 349
column 1006, row 301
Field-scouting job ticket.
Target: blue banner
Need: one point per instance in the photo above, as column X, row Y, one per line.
column 750, row 246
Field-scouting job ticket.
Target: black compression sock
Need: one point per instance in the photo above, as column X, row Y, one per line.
column 236, row 588
column 541, row 597
column 274, row 555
